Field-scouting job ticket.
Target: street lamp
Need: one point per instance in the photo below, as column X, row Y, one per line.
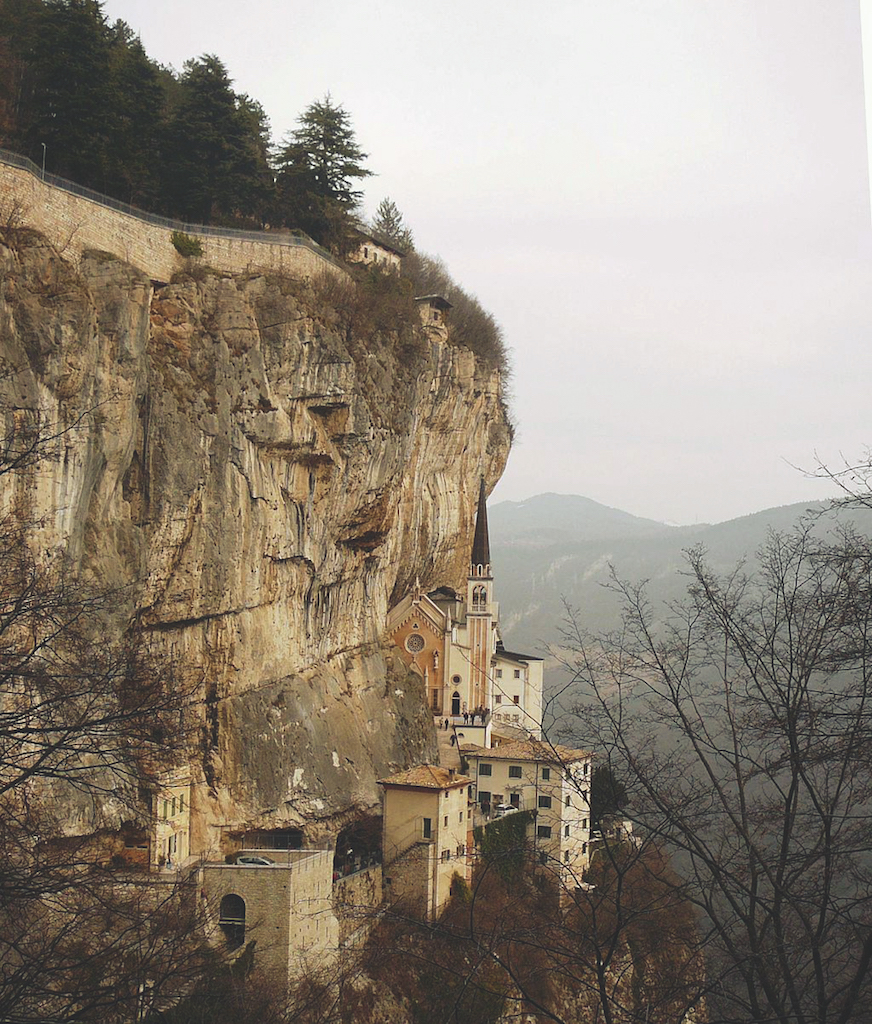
column 43, row 160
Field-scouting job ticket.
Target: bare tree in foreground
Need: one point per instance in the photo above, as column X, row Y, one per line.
column 87, row 720
column 742, row 726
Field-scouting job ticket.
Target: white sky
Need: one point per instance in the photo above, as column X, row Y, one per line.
column 664, row 202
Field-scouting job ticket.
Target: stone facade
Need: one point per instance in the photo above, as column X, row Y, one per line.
column 357, row 900
column 287, row 908
column 75, row 225
column 377, row 252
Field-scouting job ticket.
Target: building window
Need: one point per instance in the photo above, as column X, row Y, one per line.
column 498, row 698
column 546, row 774
column 446, row 821
column 486, row 769
column 484, row 798
column 231, row 920
column 460, row 816
column 586, row 768
column 544, row 801
column 499, row 673
column 428, row 828
column 181, row 803
column 174, row 807
column 566, row 831
column 165, row 809
column 446, row 855
column 584, row 822
column 517, row 673
column 516, row 699
column 479, row 598
column 543, row 831
column 414, row 643
column 514, row 771
column 568, row 804
column 584, row 848
column 460, row 851
column 566, row 856
column 543, row 857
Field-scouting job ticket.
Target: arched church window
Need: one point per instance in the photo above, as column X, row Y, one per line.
column 479, row 597
column 231, row 919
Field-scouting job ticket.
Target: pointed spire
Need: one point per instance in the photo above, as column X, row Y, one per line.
column 481, row 541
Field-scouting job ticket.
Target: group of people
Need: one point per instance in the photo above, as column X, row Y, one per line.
column 469, row 718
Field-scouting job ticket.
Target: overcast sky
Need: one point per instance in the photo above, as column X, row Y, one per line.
column 665, row 203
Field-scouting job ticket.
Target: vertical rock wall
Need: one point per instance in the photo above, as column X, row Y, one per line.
column 263, row 482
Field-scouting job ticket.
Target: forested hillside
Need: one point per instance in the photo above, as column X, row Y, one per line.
column 561, row 547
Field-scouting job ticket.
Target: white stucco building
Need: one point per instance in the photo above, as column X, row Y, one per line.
column 426, row 836
column 550, row 780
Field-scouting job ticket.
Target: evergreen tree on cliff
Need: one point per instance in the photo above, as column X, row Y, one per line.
column 211, row 160
column 389, row 223
column 137, row 126
column 69, row 92
column 317, row 170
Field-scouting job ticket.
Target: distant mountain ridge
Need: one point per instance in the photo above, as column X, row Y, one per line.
column 549, row 518
column 553, row 547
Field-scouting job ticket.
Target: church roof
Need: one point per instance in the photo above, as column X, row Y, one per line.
column 481, row 541
column 427, row 776
column 527, row 750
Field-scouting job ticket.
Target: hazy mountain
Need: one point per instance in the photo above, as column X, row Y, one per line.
column 554, row 547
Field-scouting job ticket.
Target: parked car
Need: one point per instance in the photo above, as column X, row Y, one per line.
column 502, row 810
column 252, row 859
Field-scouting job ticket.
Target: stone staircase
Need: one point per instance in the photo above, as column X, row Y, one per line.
column 449, row 756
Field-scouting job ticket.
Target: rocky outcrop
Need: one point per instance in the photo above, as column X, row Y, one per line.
column 260, row 482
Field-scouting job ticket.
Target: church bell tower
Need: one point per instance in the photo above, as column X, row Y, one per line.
column 479, row 608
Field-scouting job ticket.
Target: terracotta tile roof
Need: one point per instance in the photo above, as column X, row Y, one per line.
column 528, row 750
column 426, row 776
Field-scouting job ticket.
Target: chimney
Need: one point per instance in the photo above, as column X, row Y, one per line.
column 452, row 772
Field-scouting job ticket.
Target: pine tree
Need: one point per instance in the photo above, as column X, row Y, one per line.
column 71, row 101
column 133, row 159
column 317, row 169
column 389, row 223
column 257, row 183
column 207, row 152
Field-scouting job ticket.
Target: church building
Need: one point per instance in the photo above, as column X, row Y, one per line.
column 453, row 641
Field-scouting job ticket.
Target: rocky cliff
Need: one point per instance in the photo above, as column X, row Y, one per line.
column 261, row 479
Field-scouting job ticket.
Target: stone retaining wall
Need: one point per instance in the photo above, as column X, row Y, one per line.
column 357, row 899
column 75, row 224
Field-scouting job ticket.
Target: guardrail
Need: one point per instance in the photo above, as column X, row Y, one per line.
column 264, row 237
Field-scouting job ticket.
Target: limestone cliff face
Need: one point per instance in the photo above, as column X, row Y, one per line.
column 264, row 483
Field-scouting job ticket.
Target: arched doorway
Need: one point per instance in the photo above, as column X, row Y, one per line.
column 455, row 703
column 231, row 919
